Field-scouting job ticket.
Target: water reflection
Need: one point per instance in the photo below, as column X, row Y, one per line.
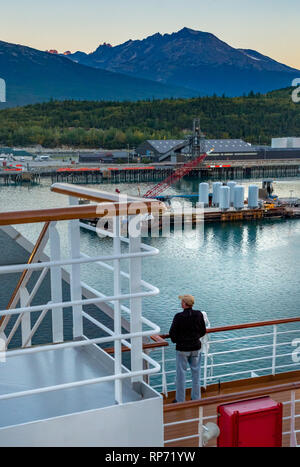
column 242, row 272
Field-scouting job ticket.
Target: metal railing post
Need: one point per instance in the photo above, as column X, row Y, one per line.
column 135, row 269
column 205, row 370
column 293, row 437
column 75, row 282
column 117, row 309
column 56, row 284
column 274, row 349
column 36, row 326
column 164, row 385
column 25, row 319
column 200, row 427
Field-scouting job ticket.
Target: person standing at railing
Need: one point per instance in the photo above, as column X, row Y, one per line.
column 186, row 331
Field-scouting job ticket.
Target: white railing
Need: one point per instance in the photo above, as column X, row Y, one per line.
column 238, row 357
column 201, row 419
column 293, row 417
column 199, row 435
column 140, row 327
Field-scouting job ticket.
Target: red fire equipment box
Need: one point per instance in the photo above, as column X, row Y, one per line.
column 250, row 423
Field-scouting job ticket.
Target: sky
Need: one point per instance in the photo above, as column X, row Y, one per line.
column 268, row 26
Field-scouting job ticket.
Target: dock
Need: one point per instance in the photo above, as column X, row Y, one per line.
column 138, row 173
column 10, row 177
column 157, row 172
column 213, row 215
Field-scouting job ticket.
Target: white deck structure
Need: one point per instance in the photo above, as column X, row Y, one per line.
column 70, row 393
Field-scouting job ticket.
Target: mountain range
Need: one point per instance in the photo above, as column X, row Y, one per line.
column 192, row 59
column 33, row 76
column 184, row 64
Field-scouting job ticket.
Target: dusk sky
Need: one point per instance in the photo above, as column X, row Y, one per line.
column 269, row 26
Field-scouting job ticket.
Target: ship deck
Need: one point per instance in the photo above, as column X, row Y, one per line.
column 180, row 420
column 237, row 386
column 52, row 368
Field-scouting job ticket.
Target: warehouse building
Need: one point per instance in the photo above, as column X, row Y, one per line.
column 171, row 150
column 105, row 157
column 222, row 150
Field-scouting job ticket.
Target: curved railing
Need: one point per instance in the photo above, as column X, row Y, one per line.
column 136, row 288
column 183, row 422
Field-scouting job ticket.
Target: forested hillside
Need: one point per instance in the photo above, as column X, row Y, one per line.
column 255, row 118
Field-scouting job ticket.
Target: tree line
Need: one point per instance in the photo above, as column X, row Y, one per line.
column 114, row 125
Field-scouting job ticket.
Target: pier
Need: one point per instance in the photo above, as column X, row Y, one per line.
column 90, row 174
column 229, row 171
column 212, row 215
column 17, row 177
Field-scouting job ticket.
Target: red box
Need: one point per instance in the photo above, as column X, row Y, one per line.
column 250, row 423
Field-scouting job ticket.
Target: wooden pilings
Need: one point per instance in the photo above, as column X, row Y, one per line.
column 16, row 178
column 153, row 174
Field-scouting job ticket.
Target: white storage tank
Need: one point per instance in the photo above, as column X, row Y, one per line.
column 239, row 196
column 253, row 196
column 204, row 193
column 231, row 186
column 224, row 198
column 216, row 193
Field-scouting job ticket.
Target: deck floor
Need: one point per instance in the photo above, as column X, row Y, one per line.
column 191, row 429
column 51, row 368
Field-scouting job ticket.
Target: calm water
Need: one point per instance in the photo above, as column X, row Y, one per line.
column 239, row 272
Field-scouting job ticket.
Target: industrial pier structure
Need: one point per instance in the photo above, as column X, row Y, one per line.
column 155, row 172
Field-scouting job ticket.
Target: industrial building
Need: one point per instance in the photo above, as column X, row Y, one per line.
column 165, row 150
column 105, row 157
column 286, row 143
column 15, row 154
column 223, row 150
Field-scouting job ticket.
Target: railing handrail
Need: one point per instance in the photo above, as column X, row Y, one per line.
column 245, row 326
column 93, row 195
column 158, row 342
column 221, row 398
column 86, row 211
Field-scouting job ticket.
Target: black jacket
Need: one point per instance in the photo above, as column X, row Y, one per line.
column 187, row 329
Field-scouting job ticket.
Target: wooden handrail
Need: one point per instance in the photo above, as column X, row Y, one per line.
column 24, row 273
column 222, row 398
column 158, row 342
column 245, row 326
column 80, row 212
column 91, row 194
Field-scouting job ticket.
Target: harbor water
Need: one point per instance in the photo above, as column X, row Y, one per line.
column 238, row 272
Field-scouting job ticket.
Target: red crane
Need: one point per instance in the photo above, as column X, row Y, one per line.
column 175, row 176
